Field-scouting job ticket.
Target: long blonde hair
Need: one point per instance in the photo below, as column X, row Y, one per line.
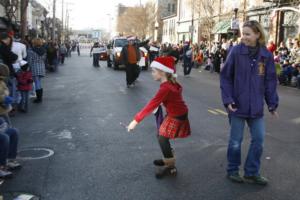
column 257, row 28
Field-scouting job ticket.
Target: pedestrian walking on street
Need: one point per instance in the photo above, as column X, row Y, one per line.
column 36, row 60
column 78, row 49
column 95, row 52
column 248, row 77
column 187, row 59
column 176, row 123
column 131, row 55
column 24, row 78
column 62, row 53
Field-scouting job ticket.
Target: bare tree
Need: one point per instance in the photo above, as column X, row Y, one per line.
column 204, row 11
column 138, row 20
column 24, row 5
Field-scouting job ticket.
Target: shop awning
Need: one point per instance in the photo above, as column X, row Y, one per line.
column 222, row 27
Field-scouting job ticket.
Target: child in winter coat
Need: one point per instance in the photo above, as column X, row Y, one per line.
column 176, row 123
column 24, row 78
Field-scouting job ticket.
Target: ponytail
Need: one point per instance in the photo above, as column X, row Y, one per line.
column 171, row 78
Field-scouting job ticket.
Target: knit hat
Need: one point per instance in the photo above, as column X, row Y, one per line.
column 165, row 64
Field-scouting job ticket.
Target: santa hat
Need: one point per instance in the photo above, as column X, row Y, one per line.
column 165, row 64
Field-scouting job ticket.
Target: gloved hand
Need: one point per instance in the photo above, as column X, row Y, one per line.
column 8, row 100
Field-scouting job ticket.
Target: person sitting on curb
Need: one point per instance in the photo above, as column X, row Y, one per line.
column 8, row 135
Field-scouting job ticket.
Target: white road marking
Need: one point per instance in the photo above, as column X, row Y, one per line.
column 296, row 120
column 65, row 134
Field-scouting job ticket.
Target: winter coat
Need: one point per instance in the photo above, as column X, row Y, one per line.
column 36, row 61
column 247, row 82
column 8, row 57
column 25, row 81
column 4, row 109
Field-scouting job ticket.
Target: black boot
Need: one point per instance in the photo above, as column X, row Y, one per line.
column 39, row 96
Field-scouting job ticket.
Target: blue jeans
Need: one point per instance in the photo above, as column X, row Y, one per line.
column 37, row 82
column 257, row 130
column 12, row 86
column 24, row 100
column 8, row 145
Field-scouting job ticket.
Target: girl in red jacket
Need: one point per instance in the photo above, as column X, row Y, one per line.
column 24, row 78
column 176, row 123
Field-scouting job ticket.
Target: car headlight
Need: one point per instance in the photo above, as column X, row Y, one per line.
column 119, row 54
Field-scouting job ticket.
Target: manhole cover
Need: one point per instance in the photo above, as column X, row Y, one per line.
column 35, row 153
column 18, row 196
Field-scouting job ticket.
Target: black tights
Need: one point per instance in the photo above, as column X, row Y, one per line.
column 165, row 146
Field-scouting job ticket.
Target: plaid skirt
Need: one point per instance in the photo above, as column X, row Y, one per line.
column 175, row 128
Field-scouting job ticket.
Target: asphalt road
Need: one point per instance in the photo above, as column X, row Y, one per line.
column 96, row 159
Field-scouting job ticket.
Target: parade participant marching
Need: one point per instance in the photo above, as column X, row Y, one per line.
column 131, row 55
column 176, row 123
column 95, row 51
column 248, row 77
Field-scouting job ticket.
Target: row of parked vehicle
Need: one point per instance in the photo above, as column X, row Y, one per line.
column 112, row 54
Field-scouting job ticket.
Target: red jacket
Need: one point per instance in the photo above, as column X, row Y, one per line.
column 171, row 96
column 25, row 81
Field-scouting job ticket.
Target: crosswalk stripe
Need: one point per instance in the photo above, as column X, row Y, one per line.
column 213, row 112
column 296, row 120
column 221, row 111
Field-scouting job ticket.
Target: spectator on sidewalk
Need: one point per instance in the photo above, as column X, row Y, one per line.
column 8, row 150
column 8, row 58
column 271, row 46
column 52, row 54
column 24, row 78
column 36, row 60
column 62, row 53
column 8, row 135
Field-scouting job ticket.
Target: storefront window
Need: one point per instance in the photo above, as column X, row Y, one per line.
column 291, row 27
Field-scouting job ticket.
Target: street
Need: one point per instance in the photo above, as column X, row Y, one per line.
column 95, row 158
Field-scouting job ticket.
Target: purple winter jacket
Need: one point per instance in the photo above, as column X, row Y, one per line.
column 247, row 82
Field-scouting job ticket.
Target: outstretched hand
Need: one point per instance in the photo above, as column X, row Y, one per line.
column 132, row 125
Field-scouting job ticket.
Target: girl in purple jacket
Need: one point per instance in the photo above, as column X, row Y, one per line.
column 248, row 77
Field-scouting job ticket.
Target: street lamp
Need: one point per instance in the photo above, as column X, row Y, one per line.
column 156, row 25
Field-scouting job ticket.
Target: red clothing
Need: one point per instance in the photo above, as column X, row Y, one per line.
column 171, row 96
column 272, row 48
column 25, row 81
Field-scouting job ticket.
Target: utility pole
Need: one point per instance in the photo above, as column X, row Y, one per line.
column 192, row 27
column 62, row 22
column 53, row 21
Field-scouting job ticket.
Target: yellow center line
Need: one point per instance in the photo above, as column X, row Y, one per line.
column 221, row 111
column 213, row 112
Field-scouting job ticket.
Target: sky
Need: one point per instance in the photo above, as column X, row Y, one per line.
column 84, row 14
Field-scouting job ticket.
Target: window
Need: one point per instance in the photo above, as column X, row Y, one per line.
column 173, row 8
column 169, row 7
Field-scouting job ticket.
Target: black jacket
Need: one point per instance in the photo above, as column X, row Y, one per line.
column 8, row 57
